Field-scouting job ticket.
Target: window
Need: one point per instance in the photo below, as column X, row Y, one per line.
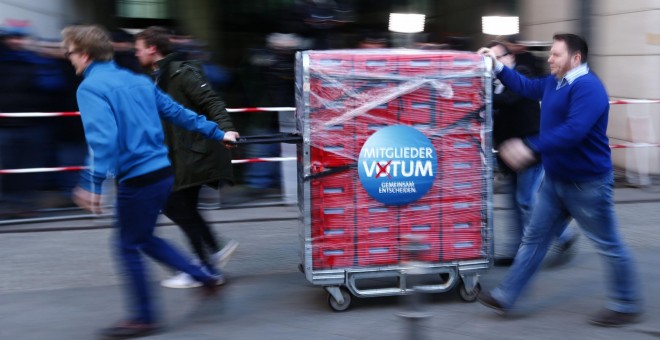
column 150, row 9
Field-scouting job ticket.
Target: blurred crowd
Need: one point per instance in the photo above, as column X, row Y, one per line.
column 38, row 78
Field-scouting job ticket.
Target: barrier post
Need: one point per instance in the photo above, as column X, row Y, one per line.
column 289, row 181
column 638, row 160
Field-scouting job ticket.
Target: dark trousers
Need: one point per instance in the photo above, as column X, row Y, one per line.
column 181, row 208
column 137, row 211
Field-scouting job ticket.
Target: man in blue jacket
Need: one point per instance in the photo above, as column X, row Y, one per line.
column 574, row 150
column 121, row 114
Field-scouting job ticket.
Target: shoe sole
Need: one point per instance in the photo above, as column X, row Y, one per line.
column 499, row 311
column 219, row 283
column 166, row 285
column 611, row 325
column 226, row 256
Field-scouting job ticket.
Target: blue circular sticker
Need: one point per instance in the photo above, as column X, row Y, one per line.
column 397, row 165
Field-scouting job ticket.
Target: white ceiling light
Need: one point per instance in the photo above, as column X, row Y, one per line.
column 407, row 23
column 498, row 25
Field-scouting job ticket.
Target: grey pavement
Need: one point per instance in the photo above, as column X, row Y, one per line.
column 63, row 284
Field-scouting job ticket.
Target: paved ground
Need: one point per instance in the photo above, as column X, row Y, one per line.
column 63, row 285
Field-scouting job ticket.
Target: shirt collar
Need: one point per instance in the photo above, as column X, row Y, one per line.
column 575, row 73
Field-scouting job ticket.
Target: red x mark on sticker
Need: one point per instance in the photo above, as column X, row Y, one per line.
column 382, row 169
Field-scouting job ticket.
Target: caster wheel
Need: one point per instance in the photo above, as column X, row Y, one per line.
column 336, row 306
column 301, row 268
column 468, row 297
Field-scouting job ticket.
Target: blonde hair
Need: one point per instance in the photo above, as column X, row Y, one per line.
column 92, row 40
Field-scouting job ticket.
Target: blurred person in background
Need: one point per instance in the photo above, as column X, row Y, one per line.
column 370, row 39
column 30, row 83
column 196, row 160
column 517, row 117
column 121, row 114
column 535, row 65
column 578, row 182
column 321, row 20
column 270, row 81
column 124, row 45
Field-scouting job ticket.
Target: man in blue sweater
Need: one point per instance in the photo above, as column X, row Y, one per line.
column 121, row 114
column 574, row 150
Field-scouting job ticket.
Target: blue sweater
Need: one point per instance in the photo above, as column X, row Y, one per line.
column 121, row 114
column 572, row 141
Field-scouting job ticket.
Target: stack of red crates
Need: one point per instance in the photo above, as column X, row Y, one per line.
column 352, row 94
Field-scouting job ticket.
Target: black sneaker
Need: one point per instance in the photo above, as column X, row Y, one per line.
column 489, row 301
column 129, row 329
column 610, row 318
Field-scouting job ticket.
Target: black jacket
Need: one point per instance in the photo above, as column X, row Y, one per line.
column 195, row 159
column 513, row 115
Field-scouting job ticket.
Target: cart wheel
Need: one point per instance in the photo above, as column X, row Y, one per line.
column 336, row 306
column 468, row 297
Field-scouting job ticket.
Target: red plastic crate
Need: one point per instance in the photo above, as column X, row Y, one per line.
column 418, row 107
column 380, row 251
column 449, row 112
column 374, row 64
column 422, row 219
column 333, row 190
column 461, row 62
column 330, row 64
column 374, row 217
column 323, row 91
column 333, row 255
column 377, row 96
column 461, row 186
column 367, row 127
column 466, row 89
column 421, row 64
column 453, row 208
column 462, row 245
column 333, row 233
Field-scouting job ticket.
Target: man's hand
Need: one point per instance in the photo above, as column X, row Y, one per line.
column 485, row 51
column 516, row 154
column 230, row 137
column 87, row 200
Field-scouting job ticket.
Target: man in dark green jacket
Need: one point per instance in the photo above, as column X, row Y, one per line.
column 195, row 160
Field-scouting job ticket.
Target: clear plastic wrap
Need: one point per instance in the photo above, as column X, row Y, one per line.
column 395, row 148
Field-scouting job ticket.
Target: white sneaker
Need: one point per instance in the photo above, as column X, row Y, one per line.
column 183, row 280
column 180, row 280
column 222, row 257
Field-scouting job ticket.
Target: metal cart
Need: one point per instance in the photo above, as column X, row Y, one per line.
column 332, row 246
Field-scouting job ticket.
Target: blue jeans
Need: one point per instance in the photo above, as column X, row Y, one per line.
column 526, row 184
column 590, row 204
column 137, row 212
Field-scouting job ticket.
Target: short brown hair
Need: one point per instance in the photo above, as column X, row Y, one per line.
column 156, row 36
column 92, row 40
column 574, row 44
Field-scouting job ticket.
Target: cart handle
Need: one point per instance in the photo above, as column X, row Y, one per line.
column 291, row 138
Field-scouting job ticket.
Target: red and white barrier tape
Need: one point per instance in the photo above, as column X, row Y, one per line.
column 77, row 168
column 634, row 101
column 66, row 114
column 263, row 109
column 633, row 145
